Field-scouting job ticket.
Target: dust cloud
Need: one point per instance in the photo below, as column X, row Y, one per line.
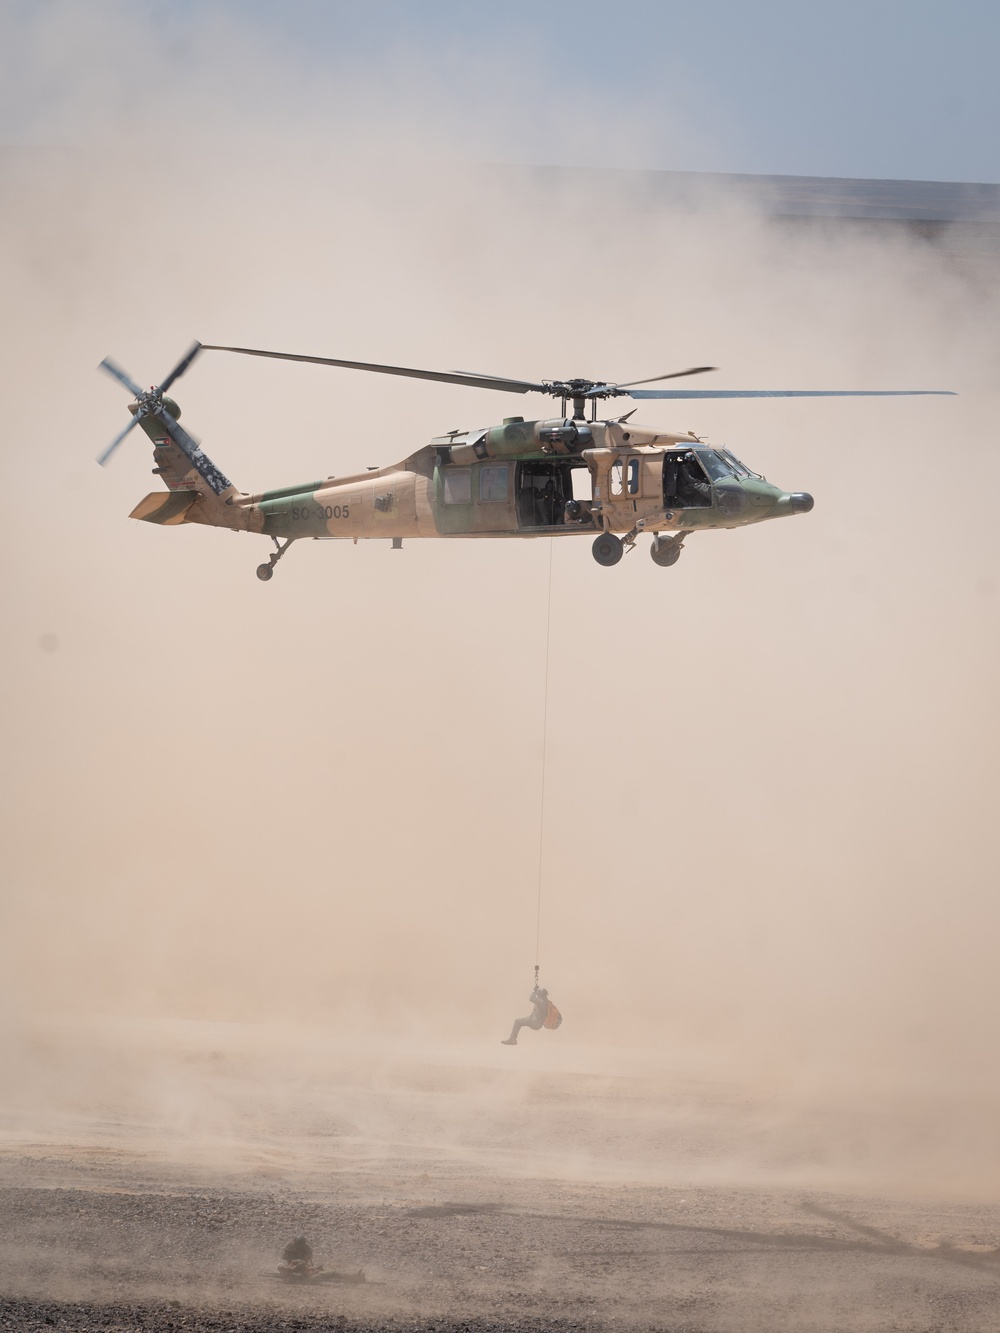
column 310, row 809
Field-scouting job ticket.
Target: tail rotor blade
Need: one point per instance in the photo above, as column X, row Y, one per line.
column 116, row 371
column 181, row 366
column 118, row 439
column 176, row 431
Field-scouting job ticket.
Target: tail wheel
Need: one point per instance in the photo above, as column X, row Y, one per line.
column 607, row 549
column 665, row 551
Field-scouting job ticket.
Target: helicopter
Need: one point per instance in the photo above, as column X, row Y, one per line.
column 571, row 475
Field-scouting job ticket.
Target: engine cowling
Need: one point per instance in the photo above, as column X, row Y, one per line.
column 568, row 437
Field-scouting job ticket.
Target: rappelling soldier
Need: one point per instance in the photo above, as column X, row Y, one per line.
column 543, row 1014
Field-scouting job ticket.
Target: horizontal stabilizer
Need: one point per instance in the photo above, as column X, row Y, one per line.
column 166, row 507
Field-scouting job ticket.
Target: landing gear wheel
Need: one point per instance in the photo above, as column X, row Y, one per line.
column 665, row 551
column 607, row 549
column 264, row 572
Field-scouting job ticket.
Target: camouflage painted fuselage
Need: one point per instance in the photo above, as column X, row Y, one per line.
column 520, row 479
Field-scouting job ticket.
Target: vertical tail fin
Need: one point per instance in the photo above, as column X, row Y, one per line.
column 197, row 490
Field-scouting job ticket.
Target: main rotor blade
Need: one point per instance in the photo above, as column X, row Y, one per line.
column 181, row 366
column 674, row 375
column 786, row 393
column 119, row 374
column 444, row 377
column 118, row 439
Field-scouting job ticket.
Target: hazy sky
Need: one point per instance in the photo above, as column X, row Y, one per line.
column 880, row 88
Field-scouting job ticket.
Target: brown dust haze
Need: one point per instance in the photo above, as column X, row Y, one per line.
column 314, row 804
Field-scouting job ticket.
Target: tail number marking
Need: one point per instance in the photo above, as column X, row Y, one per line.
column 306, row 512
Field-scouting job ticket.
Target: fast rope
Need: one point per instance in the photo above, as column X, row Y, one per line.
column 545, row 739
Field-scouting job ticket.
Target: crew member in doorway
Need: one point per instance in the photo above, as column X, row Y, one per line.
column 543, row 1014
column 696, row 490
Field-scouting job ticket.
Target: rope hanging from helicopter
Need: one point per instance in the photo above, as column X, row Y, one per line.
column 545, row 740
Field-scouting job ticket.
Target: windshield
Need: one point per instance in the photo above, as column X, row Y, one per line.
column 715, row 465
column 739, row 468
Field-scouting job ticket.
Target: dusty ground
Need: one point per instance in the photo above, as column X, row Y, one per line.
column 560, row 1192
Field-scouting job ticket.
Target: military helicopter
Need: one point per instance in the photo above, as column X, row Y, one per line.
column 570, row 475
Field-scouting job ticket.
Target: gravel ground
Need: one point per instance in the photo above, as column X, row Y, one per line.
column 126, row 1315
column 545, row 1255
column 494, row 1198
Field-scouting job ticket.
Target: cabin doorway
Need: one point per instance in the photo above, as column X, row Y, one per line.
column 552, row 494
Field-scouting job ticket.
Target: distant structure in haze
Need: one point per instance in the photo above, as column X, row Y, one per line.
column 960, row 219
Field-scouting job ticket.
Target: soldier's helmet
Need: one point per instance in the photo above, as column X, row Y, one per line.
column 297, row 1249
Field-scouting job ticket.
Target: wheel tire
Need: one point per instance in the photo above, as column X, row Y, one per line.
column 264, row 572
column 607, row 549
column 665, row 551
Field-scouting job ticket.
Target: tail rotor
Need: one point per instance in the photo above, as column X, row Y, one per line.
column 149, row 403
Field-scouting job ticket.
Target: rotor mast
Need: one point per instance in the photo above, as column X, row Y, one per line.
column 578, row 391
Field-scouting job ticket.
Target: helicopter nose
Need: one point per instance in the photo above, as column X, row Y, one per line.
column 800, row 502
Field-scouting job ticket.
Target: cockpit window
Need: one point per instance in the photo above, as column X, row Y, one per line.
column 739, row 468
column 715, row 465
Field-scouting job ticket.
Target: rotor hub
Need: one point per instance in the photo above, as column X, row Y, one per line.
column 151, row 401
column 581, row 388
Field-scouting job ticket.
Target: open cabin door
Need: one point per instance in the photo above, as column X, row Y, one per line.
column 552, row 493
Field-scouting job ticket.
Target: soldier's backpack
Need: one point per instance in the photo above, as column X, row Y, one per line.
column 553, row 1017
